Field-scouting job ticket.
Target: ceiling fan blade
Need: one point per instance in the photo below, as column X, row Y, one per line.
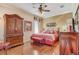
column 42, row 7
column 46, row 10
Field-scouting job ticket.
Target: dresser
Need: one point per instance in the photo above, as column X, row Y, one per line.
column 13, row 25
column 69, row 43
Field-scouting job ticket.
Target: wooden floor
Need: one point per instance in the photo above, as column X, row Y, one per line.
column 32, row 49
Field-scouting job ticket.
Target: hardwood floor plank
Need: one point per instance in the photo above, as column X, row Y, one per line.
column 33, row 49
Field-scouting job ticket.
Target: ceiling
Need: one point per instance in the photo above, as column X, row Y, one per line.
column 55, row 8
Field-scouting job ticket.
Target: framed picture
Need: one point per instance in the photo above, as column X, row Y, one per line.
column 27, row 26
column 51, row 24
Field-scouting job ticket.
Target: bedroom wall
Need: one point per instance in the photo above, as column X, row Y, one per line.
column 60, row 20
column 10, row 9
column 75, row 6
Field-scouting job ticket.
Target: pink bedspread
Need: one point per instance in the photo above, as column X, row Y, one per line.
column 44, row 38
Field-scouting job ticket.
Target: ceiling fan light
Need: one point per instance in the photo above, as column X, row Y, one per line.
column 61, row 6
column 45, row 5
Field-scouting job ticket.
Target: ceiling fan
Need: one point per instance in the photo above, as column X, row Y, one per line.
column 42, row 8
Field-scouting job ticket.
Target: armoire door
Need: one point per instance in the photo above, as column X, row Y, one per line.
column 13, row 29
column 19, row 28
column 10, row 25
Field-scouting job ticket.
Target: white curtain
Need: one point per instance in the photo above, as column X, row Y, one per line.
column 36, row 26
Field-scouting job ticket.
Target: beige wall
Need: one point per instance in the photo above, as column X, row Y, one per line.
column 60, row 20
column 75, row 6
column 8, row 9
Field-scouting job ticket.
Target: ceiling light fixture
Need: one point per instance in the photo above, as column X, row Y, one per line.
column 41, row 8
column 61, row 6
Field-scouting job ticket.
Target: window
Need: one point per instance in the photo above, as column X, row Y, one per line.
column 36, row 26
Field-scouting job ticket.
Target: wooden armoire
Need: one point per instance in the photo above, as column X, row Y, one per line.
column 13, row 29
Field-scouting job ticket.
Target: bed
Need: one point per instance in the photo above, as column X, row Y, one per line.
column 45, row 37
